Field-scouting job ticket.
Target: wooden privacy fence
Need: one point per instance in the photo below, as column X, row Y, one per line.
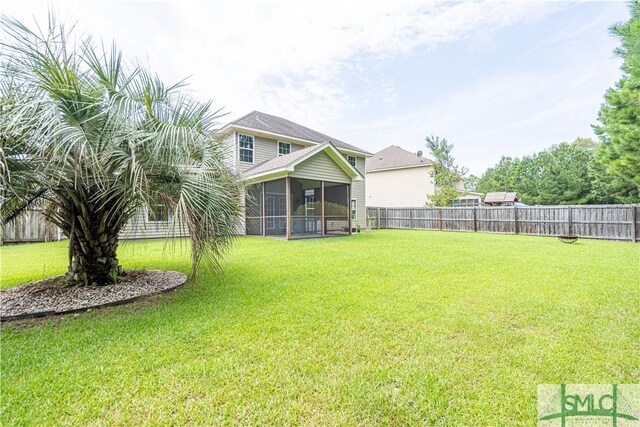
column 29, row 227
column 32, row 227
column 612, row 222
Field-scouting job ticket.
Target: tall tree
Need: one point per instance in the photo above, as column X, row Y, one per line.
column 446, row 174
column 619, row 116
column 471, row 183
column 563, row 174
column 501, row 177
column 98, row 141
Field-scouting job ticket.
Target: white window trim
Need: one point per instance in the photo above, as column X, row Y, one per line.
column 353, row 212
column 253, row 149
column 355, row 160
column 278, row 148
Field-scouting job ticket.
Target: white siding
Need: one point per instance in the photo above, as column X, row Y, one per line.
column 139, row 228
column 400, row 187
column 230, row 149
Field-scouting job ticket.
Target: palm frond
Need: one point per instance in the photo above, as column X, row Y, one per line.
column 103, row 140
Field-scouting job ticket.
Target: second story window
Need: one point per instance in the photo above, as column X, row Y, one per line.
column 352, row 160
column 284, row 148
column 245, row 148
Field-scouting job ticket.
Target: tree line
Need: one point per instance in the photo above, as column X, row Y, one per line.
column 567, row 173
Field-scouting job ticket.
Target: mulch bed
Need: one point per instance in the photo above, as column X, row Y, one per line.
column 50, row 296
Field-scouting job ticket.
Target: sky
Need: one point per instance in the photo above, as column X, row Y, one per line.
column 493, row 78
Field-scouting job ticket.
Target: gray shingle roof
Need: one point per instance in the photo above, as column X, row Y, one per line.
column 395, row 157
column 269, row 123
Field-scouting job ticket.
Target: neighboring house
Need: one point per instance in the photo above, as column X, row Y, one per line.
column 469, row 198
column 501, row 198
column 397, row 178
column 298, row 182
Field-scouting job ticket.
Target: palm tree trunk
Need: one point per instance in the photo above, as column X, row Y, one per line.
column 93, row 257
column 92, row 228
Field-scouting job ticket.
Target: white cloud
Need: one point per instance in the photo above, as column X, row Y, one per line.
column 291, row 58
column 282, row 57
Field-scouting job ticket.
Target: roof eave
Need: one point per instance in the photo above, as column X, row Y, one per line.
column 265, row 176
column 342, row 163
column 399, row 167
column 283, row 171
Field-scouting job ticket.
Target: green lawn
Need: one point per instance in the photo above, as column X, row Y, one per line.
column 388, row 327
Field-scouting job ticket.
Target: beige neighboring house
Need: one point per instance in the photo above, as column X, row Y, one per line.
column 397, row 178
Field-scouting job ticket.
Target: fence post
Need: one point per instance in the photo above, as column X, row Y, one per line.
column 515, row 219
column 634, row 219
column 411, row 218
column 379, row 220
column 439, row 218
column 475, row 220
column 569, row 220
column 386, row 221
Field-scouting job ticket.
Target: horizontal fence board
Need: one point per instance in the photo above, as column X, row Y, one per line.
column 612, row 222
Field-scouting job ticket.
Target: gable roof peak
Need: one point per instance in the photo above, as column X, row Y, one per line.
column 287, row 161
column 395, row 157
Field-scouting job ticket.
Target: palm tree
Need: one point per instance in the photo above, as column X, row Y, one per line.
column 97, row 141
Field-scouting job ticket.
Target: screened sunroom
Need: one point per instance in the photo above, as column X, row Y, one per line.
column 309, row 197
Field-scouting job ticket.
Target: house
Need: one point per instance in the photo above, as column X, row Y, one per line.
column 467, row 199
column 398, row 178
column 298, row 182
column 501, row 198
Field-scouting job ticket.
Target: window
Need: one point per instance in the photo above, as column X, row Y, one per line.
column 284, row 148
column 158, row 213
column 354, row 208
column 466, row 202
column 352, row 160
column 245, row 148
